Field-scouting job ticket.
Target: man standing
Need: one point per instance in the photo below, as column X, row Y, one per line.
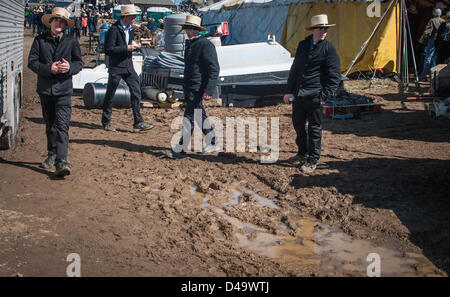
column 315, row 75
column 201, row 72
column 119, row 46
column 55, row 57
column 428, row 39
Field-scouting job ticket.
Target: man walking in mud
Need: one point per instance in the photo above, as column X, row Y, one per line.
column 315, row 75
column 119, row 46
column 201, row 72
column 55, row 57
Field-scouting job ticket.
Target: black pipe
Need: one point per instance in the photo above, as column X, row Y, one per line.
column 94, row 95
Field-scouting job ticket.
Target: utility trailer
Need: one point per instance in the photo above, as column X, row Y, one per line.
column 11, row 69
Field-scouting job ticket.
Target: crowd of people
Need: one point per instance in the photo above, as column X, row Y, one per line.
column 89, row 17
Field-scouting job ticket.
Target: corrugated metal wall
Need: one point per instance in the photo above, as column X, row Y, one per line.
column 11, row 38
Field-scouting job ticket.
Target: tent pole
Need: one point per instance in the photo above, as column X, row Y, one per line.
column 399, row 54
column 412, row 49
column 363, row 47
column 405, row 47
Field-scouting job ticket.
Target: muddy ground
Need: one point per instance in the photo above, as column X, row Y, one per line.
column 381, row 186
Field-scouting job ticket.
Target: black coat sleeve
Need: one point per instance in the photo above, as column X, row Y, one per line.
column 333, row 66
column 34, row 63
column 77, row 62
column 111, row 43
column 212, row 65
column 293, row 73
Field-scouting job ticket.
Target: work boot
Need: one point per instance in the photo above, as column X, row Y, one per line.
column 109, row 127
column 175, row 155
column 297, row 159
column 309, row 167
column 210, row 148
column 62, row 169
column 49, row 162
column 142, row 127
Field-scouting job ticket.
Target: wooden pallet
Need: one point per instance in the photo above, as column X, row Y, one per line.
column 153, row 104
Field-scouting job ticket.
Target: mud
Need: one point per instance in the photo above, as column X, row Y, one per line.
column 381, row 187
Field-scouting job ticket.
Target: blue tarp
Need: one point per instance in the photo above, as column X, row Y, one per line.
column 250, row 21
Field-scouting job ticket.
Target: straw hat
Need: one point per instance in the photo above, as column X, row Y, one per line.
column 319, row 21
column 193, row 22
column 128, row 9
column 58, row 12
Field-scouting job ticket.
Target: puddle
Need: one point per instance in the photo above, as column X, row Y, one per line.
column 262, row 201
column 326, row 247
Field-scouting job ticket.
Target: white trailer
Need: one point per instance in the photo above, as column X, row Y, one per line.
column 11, row 69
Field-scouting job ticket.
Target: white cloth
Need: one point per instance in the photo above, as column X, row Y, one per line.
column 126, row 30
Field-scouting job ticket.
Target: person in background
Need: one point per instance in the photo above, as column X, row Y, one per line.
column 91, row 22
column 77, row 27
column 95, row 20
column 428, row 39
column 84, row 24
column 443, row 41
column 55, row 57
column 315, row 75
column 34, row 21
column 40, row 14
column 151, row 25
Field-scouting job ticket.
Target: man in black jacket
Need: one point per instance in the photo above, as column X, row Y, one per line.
column 119, row 46
column 55, row 58
column 201, row 72
column 315, row 75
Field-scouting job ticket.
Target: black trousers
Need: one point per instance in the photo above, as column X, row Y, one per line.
column 132, row 80
column 309, row 139
column 56, row 111
column 194, row 101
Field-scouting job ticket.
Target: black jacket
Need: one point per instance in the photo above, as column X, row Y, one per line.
column 44, row 51
column 315, row 73
column 201, row 67
column 120, row 58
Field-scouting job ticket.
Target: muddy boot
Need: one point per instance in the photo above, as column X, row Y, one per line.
column 109, row 127
column 49, row 162
column 297, row 159
column 142, row 127
column 309, row 167
column 211, row 148
column 62, row 169
column 175, row 155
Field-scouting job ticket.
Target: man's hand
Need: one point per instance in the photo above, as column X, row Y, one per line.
column 137, row 45
column 54, row 68
column 131, row 47
column 63, row 66
column 206, row 96
column 286, row 98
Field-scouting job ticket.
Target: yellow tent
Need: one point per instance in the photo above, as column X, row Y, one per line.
column 353, row 28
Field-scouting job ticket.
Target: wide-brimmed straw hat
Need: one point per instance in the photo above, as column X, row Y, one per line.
column 128, row 9
column 193, row 22
column 58, row 12
column 319, row 21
